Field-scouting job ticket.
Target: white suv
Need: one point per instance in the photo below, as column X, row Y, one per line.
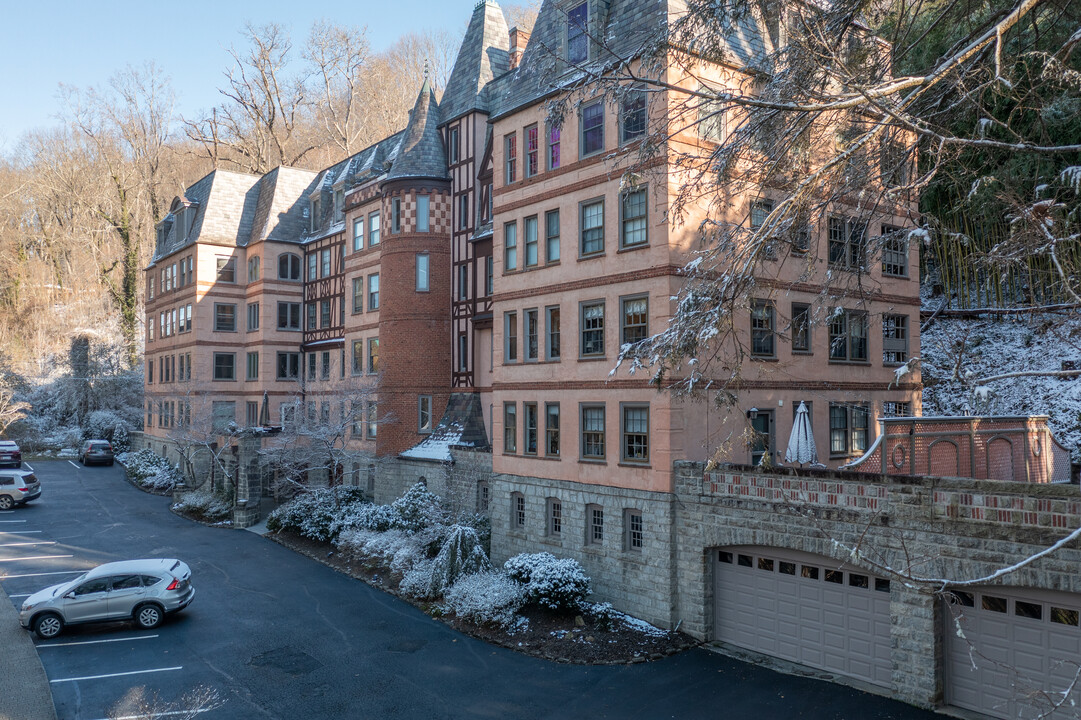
column 17, row 487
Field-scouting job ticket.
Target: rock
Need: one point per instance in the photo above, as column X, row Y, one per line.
column 579, row 621
column 589, row 638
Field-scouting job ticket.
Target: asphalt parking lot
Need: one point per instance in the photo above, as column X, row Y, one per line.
column 280, row 636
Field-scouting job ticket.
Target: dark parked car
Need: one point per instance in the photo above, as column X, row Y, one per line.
column 96, row 451
column 17, row 487
column 10, row 454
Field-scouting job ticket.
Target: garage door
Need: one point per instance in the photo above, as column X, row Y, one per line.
column 804, row 608
column 1020, row 648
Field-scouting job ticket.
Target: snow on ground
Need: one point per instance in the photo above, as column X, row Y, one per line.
column 957, row 353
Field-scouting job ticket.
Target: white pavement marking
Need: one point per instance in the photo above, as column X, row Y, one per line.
column 39, row 542
column 6, row 512
column 94, row 642
column 65, row 572
column 34, row 557
column 18, row 532
column 15, row 596
column 11, row 521
column 29, row 466
column 160, row 714
column 133, row 672
column 73, row 465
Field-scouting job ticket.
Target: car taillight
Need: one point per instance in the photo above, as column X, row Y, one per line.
column 17, row 455
column 174, row 584
column 24, row 489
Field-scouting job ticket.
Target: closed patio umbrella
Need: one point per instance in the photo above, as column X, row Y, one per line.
column 264, row 412
column 801, row 444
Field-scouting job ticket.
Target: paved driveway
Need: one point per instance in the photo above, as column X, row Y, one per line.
column 280, row 636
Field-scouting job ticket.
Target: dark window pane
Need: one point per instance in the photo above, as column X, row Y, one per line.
column 1028, row 610
column 725, row 557
column 859, row 581
column 765, row 564
column 809, row 572
column 962, row 598
column 882, row 585
column 787, row 568
column 745, row 561
column 1063, row 616
column 835, row 576
column 994, row 604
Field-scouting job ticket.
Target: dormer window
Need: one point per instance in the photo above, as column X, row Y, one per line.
column 181, row 224
column 577, row 39
column 339, row 202
column 314, row 215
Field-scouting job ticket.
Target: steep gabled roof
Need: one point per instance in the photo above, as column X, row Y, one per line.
column 484, row 55
column 422, row 154
column 283, row 200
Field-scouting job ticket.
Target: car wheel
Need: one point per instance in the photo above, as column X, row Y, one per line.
column 148, row 616
column 6, row 502
column 81, row 460
column 48, row 625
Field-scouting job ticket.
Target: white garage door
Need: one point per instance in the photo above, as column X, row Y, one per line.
column 805, row 608
column 1020, row 649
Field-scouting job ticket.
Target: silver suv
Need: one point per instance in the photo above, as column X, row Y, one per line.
column 17, row 487
column 144, row 591
column 96, row 451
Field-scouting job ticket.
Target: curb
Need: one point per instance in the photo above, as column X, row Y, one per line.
column 24, row 687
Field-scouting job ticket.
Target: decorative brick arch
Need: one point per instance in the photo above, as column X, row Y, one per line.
column 944, row 458
column 1000, row 459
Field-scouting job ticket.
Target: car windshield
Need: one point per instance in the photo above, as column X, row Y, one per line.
column 99, row 446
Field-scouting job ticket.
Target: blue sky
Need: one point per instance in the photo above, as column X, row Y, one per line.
column 43, row 44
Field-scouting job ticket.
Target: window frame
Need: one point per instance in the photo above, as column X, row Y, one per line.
column 510, row 246
column 797, row 329
column 582, row 229
column 510, row 428
column 374, row 228
column 425, row 421
column 895, row 337
column 423, row 272
column 551, row 430
column 634, row 530
column 530, row 242
column 583, row 343
column 577, row 32
column 424, row 213
column 231, row 366
column 633, row 96
column 530, row 429
column 218, row 317
column 358, row 237
column 584, row 130
column 624, row 219
column 600, row 441
column 251, row 363
column 624, row 432
column 623, row 325
column 553, row 517
column 510, row 339
column 373, row 294
column 531, row 155
column 848, row 333
column 763, row 328
column 510, row 158
column 549, row 345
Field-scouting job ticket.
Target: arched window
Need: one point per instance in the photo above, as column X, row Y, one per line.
column 288, row 266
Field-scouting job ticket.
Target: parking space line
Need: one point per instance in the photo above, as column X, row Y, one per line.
column 39, row 542
column 95, row 642
column 73, row 465
column 110, row 675
column 12, row 521
column 34, row 557
column 171, row 713
column 19, row 596
column 63, row 572
column 18, row 532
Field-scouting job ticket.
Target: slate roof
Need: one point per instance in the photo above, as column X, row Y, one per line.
column 281, row 212
column 462, row 426
column 484, row 55
column 224, row 205
column 626, row 27
column 421, row 154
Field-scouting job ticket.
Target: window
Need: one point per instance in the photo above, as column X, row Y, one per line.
column 224, row 317
column 324, row 313
column 592, row 225
column 551, row 322
column 373, row 419
column 225, row 366
column 553, row 147
column 422, row 272
column 577, row 38
column 253, row 366
column 762, row 324
column 801, row 328
column 373, row 355
column 463, row 352
column 593, row 432
column 635, row 319
column 315, row 209
column 150, row 372
column 531, row 247
column 632, row 116
column 532, row 335
column 510, row 246
column 253, row 316
column 554, row 515
column 846, row 243
column 150, row 412
column 373, row 292
column 894, row 339
column 633, row 531
column 463, row 211
column 324, row 262
column 894, row 161
column 339, row 203
column 311, row 366
column 510, row 427
column 324, row 365
column 551, row 429
column 313, row 266
column 253, row 269
column 313, row 312
column 489, row 275
column 635, row 433
column 424, row 213
column 592, row 329
column 396, row 215
column 373, row 229
column 424, row 413
column 760, row 211
column 848, row 336
column 452, row 145
column 358, row 357
column 150, row 288
column 510, row 337
column 185, row 321
column 186, row 375
column 288, row 316
column 894, row 251
column 226, row 270
column 849, row 429
column 288, row 267
column 517, row 508
column 358, row 234
column 532, row 431
column 532, row 151
column 510, row 150
column 288, row 365
column 463, row 281
column 551, row 236
column 893, row 408
column 761, row 428
column 592, row 122
column 632, row 231
column 181, row 361
column 358, row 295
column 710, row 117
column 251, row 414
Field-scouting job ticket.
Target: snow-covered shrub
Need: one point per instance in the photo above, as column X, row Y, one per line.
column 461, row 554
column 378, row 518
column 121, row 438
column 315, row 514
column 103, row 425
column 483, row 525
column 204, row 506
column 604, row 615
column 400, row 550
column 485, row 598
column 417, row 509
column 149, row 470
column 556, row 583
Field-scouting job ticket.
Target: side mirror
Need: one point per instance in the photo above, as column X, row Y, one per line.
column 70, row 595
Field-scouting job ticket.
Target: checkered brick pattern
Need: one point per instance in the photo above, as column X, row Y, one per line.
column 439, row 206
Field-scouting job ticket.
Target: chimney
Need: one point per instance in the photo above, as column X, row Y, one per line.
column 518, row 40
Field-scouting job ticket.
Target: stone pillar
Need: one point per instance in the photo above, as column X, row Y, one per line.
column 249, row 472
